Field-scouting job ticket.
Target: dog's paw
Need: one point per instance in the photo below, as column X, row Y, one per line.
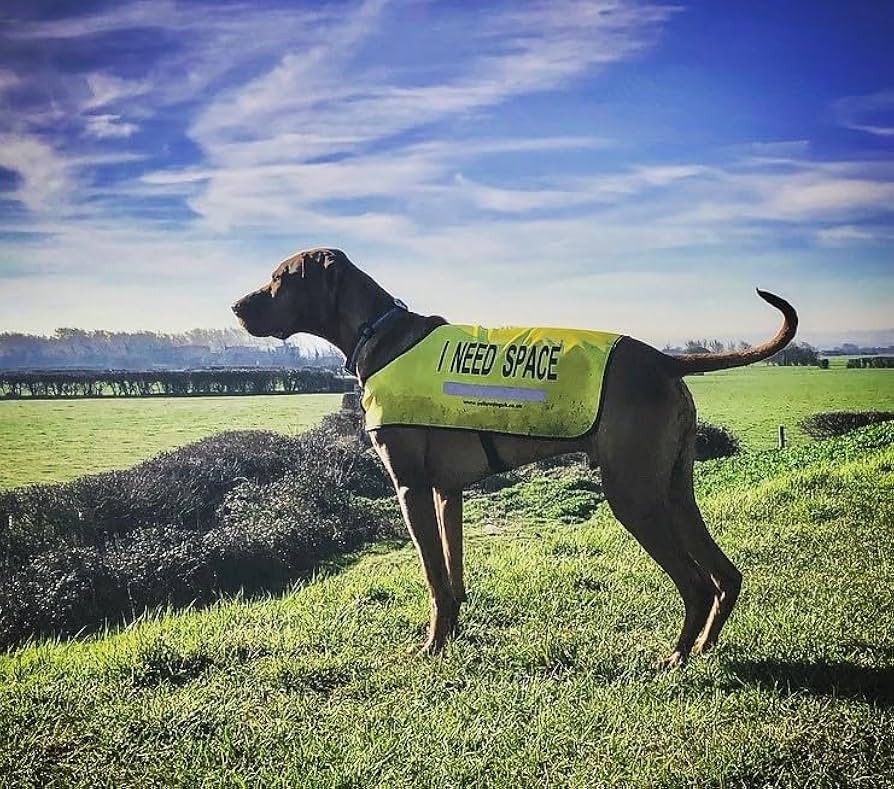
column 703, row 646
column 429, row 648
column 675, row 660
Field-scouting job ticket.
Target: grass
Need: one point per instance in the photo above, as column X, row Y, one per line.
column 57, row 440
column 754, row 401
column 551, row 680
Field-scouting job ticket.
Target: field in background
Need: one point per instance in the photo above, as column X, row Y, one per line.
column 754, row 401
column 56, row 440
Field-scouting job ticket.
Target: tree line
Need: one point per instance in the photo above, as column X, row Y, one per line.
column 796, row 354
column 172, row 383
column 871, row 361
column 80, row 349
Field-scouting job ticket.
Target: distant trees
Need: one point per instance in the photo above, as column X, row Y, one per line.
column 707, row 346
column 72, row 348
column 796, row 354
column 871, row 361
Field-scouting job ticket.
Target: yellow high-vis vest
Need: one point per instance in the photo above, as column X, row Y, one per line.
column 521, row 381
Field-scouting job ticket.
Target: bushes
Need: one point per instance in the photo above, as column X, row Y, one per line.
column 266, row 538
column 714, row 441
column 181, row 488
column 124, row 383
column 875, row 362
column 238, row 510
column 836, row 423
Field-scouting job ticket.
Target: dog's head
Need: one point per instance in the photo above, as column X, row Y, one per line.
column 301, row 296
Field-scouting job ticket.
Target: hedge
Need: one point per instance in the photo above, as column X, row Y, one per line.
column 172, row 383
column 827, row 424
column 714, row 441
column 242, row 510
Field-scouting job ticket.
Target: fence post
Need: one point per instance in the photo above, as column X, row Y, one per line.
column 781, row 436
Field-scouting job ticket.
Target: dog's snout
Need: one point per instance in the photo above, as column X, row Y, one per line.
column 244, row 305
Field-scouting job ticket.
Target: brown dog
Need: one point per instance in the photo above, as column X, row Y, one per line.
column 644, row 442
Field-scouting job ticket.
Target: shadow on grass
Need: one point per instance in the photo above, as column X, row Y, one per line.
column 821, row 678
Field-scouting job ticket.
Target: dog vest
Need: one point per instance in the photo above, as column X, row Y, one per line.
column 537, row 382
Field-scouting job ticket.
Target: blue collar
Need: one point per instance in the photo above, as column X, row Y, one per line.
column 367, row 330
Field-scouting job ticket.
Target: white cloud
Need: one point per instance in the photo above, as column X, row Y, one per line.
column 140, row 14
column 261, row 139
column 45, row 176
column 108, row 89
column 871, row 113
column 8, row 79
column 321, row 94
column 817, row 197
column 845, row 235
column 190, row 38
column 106, row 126
column 578, row 191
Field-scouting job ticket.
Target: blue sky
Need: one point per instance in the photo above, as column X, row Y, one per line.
column 608, row 164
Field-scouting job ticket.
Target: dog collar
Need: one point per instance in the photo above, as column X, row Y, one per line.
column 367, row 330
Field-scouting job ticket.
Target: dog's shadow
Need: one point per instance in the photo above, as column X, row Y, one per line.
column 843, row 679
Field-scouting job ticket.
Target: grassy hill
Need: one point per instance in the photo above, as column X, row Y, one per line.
column 551, row 680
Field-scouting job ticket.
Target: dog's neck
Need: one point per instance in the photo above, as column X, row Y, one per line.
column 362, row 301
column 359, row 300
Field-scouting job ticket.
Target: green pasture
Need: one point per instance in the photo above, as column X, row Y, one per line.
column 754, row 401
column 55, row 440
column 551, row 679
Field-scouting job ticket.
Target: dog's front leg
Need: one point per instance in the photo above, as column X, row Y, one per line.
column 418, row 509
column 449, row 509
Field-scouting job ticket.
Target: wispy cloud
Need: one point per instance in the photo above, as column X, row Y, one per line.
column 846, row 235
column 325, row 94
column 872, row 113
column 44, row 176
column 8, row 79
column 107, row 89
column 140, row 14
column 105, row 126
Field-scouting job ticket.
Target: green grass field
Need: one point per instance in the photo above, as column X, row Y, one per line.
column 549, row 683
column 57, row 440
column 54, row 440
column 754, row 401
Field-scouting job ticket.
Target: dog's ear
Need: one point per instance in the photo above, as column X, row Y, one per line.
column 333, row 258
column 297, row 264
column 335, row 265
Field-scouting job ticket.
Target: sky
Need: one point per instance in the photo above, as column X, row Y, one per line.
column 618, row 165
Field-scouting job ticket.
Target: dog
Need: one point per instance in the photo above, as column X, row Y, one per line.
column 644, row 441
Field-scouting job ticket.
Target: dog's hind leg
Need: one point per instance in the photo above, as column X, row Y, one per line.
column 649, row 520
column 449, row 509
column 689, row 524
column 637, row 452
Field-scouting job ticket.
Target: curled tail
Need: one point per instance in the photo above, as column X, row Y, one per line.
column 690, row 363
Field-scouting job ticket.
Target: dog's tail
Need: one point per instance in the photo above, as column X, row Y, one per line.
column 689, row 363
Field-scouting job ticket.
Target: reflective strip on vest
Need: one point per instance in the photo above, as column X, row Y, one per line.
column 521, row 381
